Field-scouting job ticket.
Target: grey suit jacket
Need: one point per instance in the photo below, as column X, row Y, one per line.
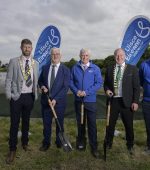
column 14, row 79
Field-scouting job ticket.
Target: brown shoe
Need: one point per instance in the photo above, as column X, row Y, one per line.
column 26, row 148
column 10, row 157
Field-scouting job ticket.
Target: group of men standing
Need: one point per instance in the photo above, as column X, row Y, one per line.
column 121, row 83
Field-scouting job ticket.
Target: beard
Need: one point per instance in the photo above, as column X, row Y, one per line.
column 26, row 53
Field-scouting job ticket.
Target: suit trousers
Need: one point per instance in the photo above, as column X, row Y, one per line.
column 117, row 107
column 47, row 116
column 90, row 114
column 20, row 108
column 146, row 113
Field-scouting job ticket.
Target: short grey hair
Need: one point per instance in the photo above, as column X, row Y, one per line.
column 55, row 48
column 115, row 52
column 83, row 50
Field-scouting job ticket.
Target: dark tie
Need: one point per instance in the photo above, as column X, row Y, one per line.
column 52, row 76
column 28, row 74
column 118, row 75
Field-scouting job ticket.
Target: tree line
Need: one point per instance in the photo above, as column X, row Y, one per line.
column 102, row 63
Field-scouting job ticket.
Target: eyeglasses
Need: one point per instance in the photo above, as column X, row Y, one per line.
column 57, row 54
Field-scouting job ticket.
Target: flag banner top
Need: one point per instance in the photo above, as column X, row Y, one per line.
column 136, row 38
column 49, row 38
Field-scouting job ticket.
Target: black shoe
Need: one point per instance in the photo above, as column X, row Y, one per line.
column 26, row 148
column 108, row 146
column 147, row 150
column 96, row 154
column 131, row 150
column 81, row 144
column 44, row 148
column 58, row 145
column 81, row 147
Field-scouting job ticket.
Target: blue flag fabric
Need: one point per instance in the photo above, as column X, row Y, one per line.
column 50, row 37
column 136, row 38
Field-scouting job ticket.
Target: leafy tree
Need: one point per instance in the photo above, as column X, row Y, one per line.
column 70, row 63
column 3, row 68
column 109, row 61
column 99, row 62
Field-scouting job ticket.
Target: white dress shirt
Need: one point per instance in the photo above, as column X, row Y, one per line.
column 120, row 81
column 85, row 65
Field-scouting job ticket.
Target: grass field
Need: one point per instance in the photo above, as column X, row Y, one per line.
column 56, row 159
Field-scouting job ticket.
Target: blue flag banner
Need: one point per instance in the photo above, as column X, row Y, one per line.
column 136, row 38
column 50, row 37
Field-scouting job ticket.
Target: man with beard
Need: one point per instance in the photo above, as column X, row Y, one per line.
column 21, row 91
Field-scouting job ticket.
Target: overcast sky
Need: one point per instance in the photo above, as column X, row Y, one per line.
column 94, row 24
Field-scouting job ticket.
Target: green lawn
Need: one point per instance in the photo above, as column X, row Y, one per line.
column 55, row 159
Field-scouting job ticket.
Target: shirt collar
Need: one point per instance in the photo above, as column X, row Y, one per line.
column 88, row 64
column 57, row 65
column 24, row 58
column 122, row 65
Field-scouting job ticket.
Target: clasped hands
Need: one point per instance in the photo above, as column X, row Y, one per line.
column 81, row 93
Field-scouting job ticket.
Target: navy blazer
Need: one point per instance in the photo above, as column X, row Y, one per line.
column 60, row 85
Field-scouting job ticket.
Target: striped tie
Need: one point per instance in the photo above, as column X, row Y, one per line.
column 118, row 75
column 28, row 74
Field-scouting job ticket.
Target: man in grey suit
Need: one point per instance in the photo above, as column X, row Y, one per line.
column 21, row 91
column 122, row 83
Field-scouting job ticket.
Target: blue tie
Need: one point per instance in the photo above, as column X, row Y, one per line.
column 52, row 76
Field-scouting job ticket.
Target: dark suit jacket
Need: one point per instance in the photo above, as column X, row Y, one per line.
column 60, row 85
column 130, row 84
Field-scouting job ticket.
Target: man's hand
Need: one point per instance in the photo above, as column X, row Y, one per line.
column 44, row 89
column 81, row 93
column 109, row 93
column 134, row 106
column 53, row 102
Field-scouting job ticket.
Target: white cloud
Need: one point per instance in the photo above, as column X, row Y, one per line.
column 96, row 24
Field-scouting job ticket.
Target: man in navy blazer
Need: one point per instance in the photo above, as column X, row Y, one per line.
column 54, row 80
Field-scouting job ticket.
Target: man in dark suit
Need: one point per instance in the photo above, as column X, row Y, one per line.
column 122, row 83
column 54, row 80
column 21, row 90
